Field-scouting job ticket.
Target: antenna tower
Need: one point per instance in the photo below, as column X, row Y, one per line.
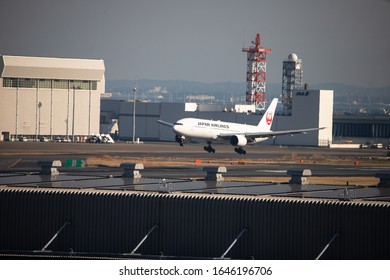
column 256, row 73
column 291, row 79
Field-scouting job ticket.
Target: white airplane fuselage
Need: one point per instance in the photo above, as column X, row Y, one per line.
column 210, row 129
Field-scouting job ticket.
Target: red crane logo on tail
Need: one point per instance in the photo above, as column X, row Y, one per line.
column 268, row 118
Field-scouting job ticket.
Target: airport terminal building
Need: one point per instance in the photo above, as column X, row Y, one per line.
column 50, row 97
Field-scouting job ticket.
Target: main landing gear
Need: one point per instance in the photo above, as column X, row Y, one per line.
column 208, row 148
column 240, row 151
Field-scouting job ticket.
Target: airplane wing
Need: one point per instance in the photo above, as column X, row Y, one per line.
column 165, row 123
column 271, row 133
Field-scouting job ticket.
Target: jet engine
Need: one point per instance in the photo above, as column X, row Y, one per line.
column 238, row 140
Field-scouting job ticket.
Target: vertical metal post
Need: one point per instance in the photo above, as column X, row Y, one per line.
column 74, row 106
column 134, row 91
column 55, row 236
column 51, row 110
column 36, row 113
column 89, row 109
column 39, row 118
column 67, row 112
column 234, row 242
column 74, row 94
column 17, row 109
column 327, row 246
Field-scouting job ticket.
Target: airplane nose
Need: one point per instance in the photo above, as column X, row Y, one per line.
column 179, row 129
column 176, row 128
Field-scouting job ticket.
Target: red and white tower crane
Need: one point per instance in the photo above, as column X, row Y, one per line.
column 256, row 73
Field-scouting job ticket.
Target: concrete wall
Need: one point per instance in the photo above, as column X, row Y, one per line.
column 110, row 108
column 146, row 116
column 310, row 109
column 20, row 115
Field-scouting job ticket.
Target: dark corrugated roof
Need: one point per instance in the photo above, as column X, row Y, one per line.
column 193, row 225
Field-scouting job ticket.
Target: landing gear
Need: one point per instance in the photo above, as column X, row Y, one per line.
column 240, row 151
column 180, row 140
column 208, row 148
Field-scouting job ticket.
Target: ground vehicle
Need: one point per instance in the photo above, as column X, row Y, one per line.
column 377, row 146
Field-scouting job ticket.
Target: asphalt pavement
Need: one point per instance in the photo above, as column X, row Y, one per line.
column 261, row 160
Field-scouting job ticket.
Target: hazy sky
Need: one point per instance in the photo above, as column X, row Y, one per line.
column 344, row 41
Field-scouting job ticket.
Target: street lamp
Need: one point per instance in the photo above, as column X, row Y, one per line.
column 39, row 119
column 74, row 107
column 134, row 91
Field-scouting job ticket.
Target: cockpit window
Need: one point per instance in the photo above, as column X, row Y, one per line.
column 178, row 123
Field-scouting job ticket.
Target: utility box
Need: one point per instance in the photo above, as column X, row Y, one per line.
column 49, row 167
column 5, row 136
column 299, row 177
column 131, row 170
column 214, row 173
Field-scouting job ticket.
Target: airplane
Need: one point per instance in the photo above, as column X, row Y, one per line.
column 236, row 134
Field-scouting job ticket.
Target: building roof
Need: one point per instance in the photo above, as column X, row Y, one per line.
column 51, row 68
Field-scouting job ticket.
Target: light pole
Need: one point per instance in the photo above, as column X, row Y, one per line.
column 67, row 116
column 74, row 106
column 39, row 119
column 134, row 91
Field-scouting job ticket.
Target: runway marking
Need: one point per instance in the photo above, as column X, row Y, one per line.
column 272, row 171
column 364, row 168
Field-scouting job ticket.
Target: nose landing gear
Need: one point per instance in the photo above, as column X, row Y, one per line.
column 180, row 139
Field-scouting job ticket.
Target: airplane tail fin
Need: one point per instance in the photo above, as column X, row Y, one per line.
column 268, row 117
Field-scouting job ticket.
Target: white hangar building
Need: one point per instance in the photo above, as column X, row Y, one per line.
column 310, row 108
column 51, row 97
